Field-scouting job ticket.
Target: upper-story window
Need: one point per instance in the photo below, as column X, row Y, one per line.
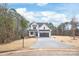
column 34, row 26
column 44, row 28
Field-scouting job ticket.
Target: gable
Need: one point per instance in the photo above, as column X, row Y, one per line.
column 44, row 27
column 34, row 25
column 40, row 26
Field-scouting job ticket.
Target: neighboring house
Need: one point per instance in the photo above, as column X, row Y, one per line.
column 39, row 30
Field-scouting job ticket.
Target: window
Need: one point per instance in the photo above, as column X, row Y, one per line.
column 31, row 33
column 44, row 28
column 34, row 26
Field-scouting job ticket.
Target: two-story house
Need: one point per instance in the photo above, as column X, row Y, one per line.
column 39, row 30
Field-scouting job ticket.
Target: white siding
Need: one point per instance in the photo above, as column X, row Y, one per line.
column 44, row 27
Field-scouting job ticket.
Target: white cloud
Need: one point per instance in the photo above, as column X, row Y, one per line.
column 42, row 16
column 41, row 4
column 21, row 10
column 77, row 18
column 26, row 14
column 54, row 17
column 47, row 13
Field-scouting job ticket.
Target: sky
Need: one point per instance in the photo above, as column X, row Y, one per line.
column 55, row 13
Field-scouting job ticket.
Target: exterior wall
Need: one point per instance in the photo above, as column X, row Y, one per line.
column 35, row 33
column 44, row 27
column 34, row 24
column 38, row 33
column 30, row 33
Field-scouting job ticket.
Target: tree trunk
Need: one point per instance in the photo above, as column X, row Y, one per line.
column 23, row 42
column 22, row 37
column 73, row 34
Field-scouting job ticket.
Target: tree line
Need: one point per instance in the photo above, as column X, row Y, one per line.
column 67, row 28
column 12, row 24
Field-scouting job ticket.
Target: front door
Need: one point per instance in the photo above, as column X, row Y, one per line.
column 36, row 33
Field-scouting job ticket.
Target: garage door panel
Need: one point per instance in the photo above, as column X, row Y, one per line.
column 44, row 34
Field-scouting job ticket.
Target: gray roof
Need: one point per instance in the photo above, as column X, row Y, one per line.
column 39, row 24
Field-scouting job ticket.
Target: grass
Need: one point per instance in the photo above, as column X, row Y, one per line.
column 17, row 45
column 68, row 40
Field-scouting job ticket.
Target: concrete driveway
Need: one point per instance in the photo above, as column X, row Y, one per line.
column 49, row 43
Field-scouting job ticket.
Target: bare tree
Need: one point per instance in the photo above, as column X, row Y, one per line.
column 74, row 23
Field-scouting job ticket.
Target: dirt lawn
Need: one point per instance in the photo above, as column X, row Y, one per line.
column 68, row 40
column 30, row 41
column 17, row 44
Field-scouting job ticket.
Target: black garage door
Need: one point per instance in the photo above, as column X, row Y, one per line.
column 44, row 34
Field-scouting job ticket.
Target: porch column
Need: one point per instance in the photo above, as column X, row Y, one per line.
column 29, row 33
column 49, row 33
column 38, row 33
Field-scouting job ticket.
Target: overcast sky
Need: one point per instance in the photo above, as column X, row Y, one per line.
column 47, row 12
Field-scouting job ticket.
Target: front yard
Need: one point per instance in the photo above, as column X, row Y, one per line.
column 30, row 41
column 17, row 44
column 68, row 40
